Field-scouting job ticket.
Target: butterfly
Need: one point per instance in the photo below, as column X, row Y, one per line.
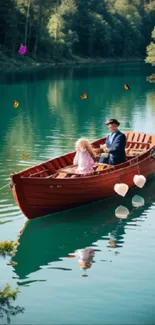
column 22, row 49
column 126, row 86
column 15, row 104
column 25, row 156
column 84, row 96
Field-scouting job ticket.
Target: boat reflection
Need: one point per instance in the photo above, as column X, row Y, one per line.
column 50, row 239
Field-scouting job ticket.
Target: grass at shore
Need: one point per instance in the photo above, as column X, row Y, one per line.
column 21, row 63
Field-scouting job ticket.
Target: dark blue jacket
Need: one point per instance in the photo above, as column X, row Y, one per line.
column 117, row 149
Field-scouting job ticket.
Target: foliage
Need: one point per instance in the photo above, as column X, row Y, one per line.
column 151, row 50
column 151, row 57
column 7, row 247
column 151, row 78
column 6, row 294
column 58, row 29
column 6, row 309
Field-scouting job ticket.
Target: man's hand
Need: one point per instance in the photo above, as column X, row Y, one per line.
column 106, row 149
column 97, row 151
column 102, row 146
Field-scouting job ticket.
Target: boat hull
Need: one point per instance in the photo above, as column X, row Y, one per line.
column 41, row 197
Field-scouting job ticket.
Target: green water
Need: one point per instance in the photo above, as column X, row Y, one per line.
column 119, row 287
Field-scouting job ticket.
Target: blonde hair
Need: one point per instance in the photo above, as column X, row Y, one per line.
column 84, row 142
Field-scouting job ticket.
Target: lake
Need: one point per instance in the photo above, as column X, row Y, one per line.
column 117, row 286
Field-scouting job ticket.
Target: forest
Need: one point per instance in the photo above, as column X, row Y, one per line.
column 57, row 30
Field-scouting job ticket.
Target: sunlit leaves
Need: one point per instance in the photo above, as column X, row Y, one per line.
column 6, row 309
column 151, row 50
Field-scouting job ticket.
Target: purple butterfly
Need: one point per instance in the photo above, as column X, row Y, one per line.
column 22, row 49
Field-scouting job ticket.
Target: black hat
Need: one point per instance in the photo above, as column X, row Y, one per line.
column 112, row 121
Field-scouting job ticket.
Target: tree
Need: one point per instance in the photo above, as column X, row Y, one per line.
column 59, row 29
column 151, row 50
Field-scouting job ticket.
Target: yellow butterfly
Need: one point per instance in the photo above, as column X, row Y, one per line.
column 126, row 86
column 15, row 104
column 25, row 156
column 84, row 96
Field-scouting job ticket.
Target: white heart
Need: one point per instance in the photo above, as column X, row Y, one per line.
column 139, row 180
column 121, row 189
column 137, row 201
column 121, row 212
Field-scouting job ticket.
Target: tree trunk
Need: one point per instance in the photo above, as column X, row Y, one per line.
column 38, row 29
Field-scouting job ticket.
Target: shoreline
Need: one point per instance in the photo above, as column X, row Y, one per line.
column 26, row 63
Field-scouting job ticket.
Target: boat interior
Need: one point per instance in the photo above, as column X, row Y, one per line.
column 137, row 147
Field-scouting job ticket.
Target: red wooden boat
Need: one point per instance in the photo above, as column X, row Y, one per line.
column 49, row 187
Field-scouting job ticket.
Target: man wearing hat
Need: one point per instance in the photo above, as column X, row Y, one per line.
column 114, row 147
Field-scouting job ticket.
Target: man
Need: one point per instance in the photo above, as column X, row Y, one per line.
column 114, row 145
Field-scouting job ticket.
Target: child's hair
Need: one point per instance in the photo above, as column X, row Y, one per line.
column 84, row 142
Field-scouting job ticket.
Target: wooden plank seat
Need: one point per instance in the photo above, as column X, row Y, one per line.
column 69, row 171
column 136, row 148
column 137, row 145
column 135, row 152
column 61, row 175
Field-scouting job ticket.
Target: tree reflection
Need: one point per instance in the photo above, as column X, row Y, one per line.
column 6, row 308
column 151, row 78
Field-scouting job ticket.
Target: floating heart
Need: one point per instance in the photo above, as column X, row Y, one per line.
column 121, row 212
column 121, row 189
column 137, row 201
column 139, row 180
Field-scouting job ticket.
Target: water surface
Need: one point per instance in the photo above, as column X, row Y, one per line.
column 118, row 287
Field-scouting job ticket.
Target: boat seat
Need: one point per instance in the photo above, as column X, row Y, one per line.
column 135, row 152
column 68, row 171
column 101, row 167
column 61, row 175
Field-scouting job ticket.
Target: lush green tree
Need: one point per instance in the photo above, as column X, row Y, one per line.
column 151, row 50
column 58, row 29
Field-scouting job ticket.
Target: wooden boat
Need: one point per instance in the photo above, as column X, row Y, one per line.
column 50, row 187
column 66, row 232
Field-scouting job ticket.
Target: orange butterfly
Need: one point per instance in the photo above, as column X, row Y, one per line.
column 126, row 86
column 25, row 156
column 84, row 96
column 15, row 104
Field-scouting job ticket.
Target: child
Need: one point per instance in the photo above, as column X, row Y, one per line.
column 83, row 157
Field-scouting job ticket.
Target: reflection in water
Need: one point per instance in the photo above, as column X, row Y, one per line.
column 6, row 308
column 121, row 212
column 138, row 201
column 112, row 240
column 116, row 236
column 50, row 118
column 50, row 239
column 60, row 268
column 16, row 145
column 27, row 283
column 151, row 78
column 150, row 101
column 59, row 100
column 85, row 258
